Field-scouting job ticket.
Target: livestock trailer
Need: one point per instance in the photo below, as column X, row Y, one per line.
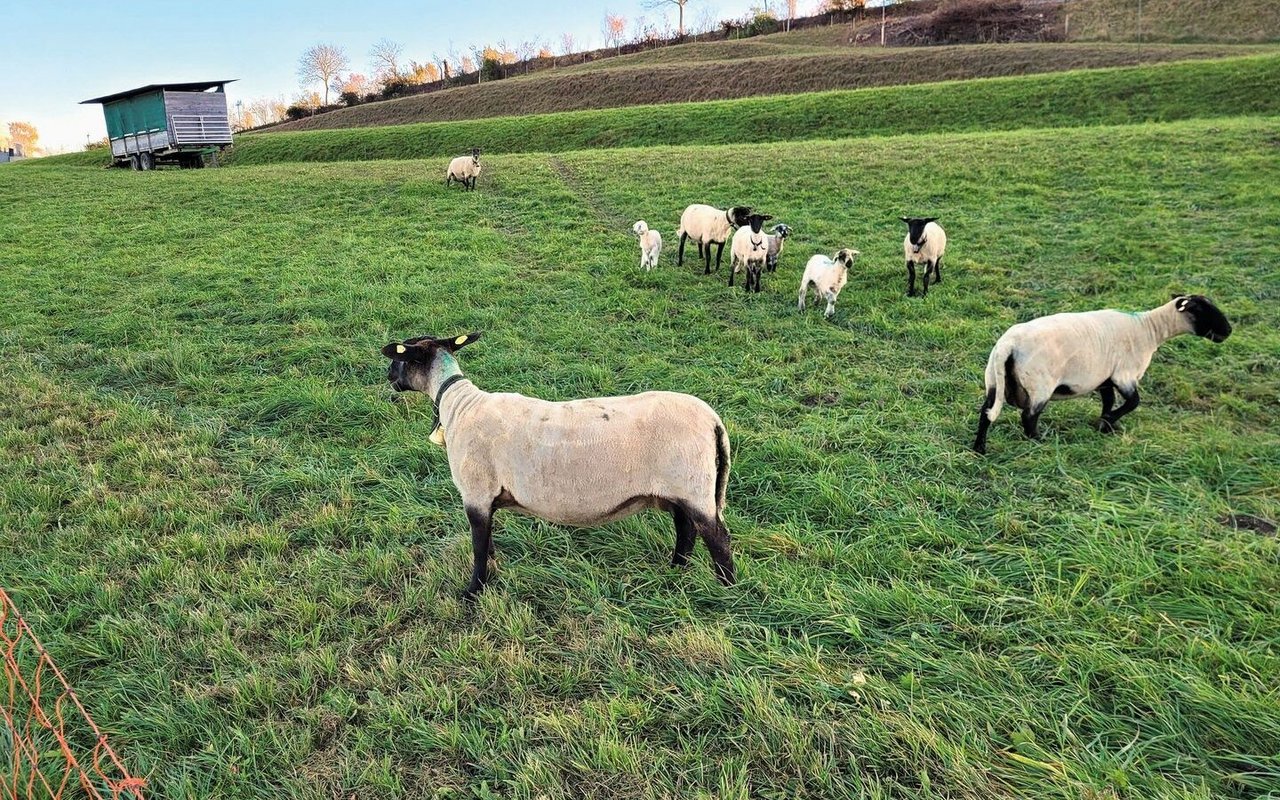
column 166, row 123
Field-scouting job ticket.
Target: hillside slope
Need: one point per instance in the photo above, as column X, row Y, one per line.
column 724, row 70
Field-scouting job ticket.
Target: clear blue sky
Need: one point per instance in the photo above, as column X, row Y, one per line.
column 55, row 53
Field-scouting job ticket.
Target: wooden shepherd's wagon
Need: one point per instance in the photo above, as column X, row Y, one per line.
column 167, row 123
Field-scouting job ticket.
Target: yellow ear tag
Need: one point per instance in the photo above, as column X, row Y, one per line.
column 400, row 348
column 461, row 340
column 437, row 436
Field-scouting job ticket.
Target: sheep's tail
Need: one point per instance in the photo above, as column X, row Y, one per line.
column 722, row 470
column 1000, row 377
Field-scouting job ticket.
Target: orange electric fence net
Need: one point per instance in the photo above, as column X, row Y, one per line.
column 53, row 744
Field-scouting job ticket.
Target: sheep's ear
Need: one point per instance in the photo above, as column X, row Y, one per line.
column 1181, row 305
column 904, row 219
column 1175, row 296
column 927, row 220
column 404, row 351
column 766, row 217
column 461, row 341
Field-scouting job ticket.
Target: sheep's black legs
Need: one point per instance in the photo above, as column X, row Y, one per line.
column 719, row 254
column 716, row 537
column 937, row 270
column 707, row 271
column 1108, row 393
column 481, row 549
column 928, row 268
column 911, row 279
column 680, row 257
column 686, row 537
column 1031, row 421
column 1130, row 403
column 980, row 443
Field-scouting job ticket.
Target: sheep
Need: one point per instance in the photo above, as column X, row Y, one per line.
column 708, row 225
column 650, row 244
column 464, row 169
column 581, row 463
column 750, row 250
column 776, row 240
column 924, row 244
column 827, row 276
column 1071, row 355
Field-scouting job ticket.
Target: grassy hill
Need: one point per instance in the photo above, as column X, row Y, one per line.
column 247, row 560
column 1175, row 20
column 723, row 70
column 1249, row 86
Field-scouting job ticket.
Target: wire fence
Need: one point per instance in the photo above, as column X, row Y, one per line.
column 49, row 745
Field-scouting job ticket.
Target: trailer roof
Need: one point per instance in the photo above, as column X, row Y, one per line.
column 193, row 86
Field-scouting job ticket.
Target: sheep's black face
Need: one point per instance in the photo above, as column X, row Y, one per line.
column 915, row 230
column 781, row 231
column 846, row 257
column 1206, row 319
column 412, row 359
column 739, row 215
column 757, row 221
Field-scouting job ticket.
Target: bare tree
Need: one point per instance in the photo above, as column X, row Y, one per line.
column 680, row 4
column 791, row 12
column 614, row 27
column 322, row 63
column 566, row 44
column 384, row 57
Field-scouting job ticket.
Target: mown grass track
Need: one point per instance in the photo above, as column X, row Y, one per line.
column 248, row 560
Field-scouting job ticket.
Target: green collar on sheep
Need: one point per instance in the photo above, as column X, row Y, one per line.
column 452, row 373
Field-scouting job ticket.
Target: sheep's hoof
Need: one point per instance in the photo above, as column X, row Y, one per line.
column 1107, row 426
column 469, row 594
column 911, row 293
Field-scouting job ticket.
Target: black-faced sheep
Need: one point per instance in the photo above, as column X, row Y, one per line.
column 1069, row 355
column 924, row 244
column 750, row 250
column 581, row 463
column 464, row 169
column 708, row 225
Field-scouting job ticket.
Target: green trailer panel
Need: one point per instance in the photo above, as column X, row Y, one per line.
column 138, row 114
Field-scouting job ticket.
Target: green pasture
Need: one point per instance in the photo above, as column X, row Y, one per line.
column 248, row 560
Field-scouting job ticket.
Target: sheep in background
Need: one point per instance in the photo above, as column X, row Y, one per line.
column 1070, row 355
column 464, row 169
column 708, row 225
column 750, row 250
column 650, row 244
column 828, row 277
column 924, row 244
column 581, row 463
column 776, row 241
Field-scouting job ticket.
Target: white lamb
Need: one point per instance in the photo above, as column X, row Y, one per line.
column 827, row 276
column 924, row 244
column 650, row 244
column 464, row 169
column 582, row 462
column 750, row 251
column 708, row 225
column 1069, row 355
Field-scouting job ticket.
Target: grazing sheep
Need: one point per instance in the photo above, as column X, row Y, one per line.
column 708, row 225
column 650, row 244
column 464, row 169
column 1069, row 355
column 776, row 240
column 827, row 276
column 924, row 244
column 581, row 463
column 750, row 250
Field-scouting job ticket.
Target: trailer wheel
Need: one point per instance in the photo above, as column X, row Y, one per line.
column 134, row 163
column 146, row 161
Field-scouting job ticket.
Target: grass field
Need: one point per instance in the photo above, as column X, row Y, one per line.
column 1229, row 87
column 248, row 560
column 770, row 65
column 1175, row 20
